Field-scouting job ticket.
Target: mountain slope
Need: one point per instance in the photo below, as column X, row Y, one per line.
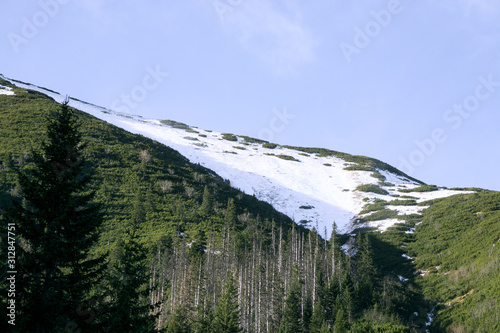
column 313, row 186
column 436, row 259
column 130, row 169
column 457, row 253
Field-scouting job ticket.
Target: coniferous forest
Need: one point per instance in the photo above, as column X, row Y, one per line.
column 115, row 232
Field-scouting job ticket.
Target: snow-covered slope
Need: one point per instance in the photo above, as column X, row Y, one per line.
column 310, row 189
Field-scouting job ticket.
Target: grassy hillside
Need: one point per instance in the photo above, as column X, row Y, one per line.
column 457, row 252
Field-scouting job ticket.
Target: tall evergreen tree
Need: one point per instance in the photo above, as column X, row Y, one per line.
column 204, row 320
column 207, row 203
column 230, row 216
column 366, row 271
column 177, row 322
column 292, row 318
column 57, row 222
column 348, row 297
column 334, row 253
column 129, row 308
column 341, row 324
column 227, row 313
column 317, row 319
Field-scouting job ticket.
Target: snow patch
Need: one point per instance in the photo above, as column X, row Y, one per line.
column 382, row 225
column 423, row 273
column 345, row 248
column 407, row 210
column 6, row 90
column 441, row 193
column 430, row 318
column 402, row 279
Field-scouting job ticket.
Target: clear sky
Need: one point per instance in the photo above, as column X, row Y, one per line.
column 413, row 83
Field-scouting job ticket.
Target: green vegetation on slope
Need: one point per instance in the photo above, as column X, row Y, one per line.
column 372, row 188
column 423, row 188
column 175, row 124
column 458, row 247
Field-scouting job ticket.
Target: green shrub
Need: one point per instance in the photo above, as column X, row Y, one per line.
column 378, row 176
column 288, row 158
column 358, row 167
column 174, row 124
column 423, row 188
column 229, row 137
column 269, row 145
column 378, row 204
column 372, row 188
column 252, row 140
column 403, row 203
column 381, row 215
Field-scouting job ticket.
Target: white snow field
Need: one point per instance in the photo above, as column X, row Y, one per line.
column 306, row 190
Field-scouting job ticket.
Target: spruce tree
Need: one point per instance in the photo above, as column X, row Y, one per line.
column 366, row 271
column 324, row 328
column 292, row 319
column 348, row 297
column 317, row 319
column 204, row 320
column 230, row 217
column 341, row 324
column 207, row 203
column 334, row 253
column 177, row 323
column 329, row 300
column 227, row 313
column 57, row 223
column 128, row 308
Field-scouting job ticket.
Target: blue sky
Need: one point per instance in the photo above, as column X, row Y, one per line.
column 413, row 83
